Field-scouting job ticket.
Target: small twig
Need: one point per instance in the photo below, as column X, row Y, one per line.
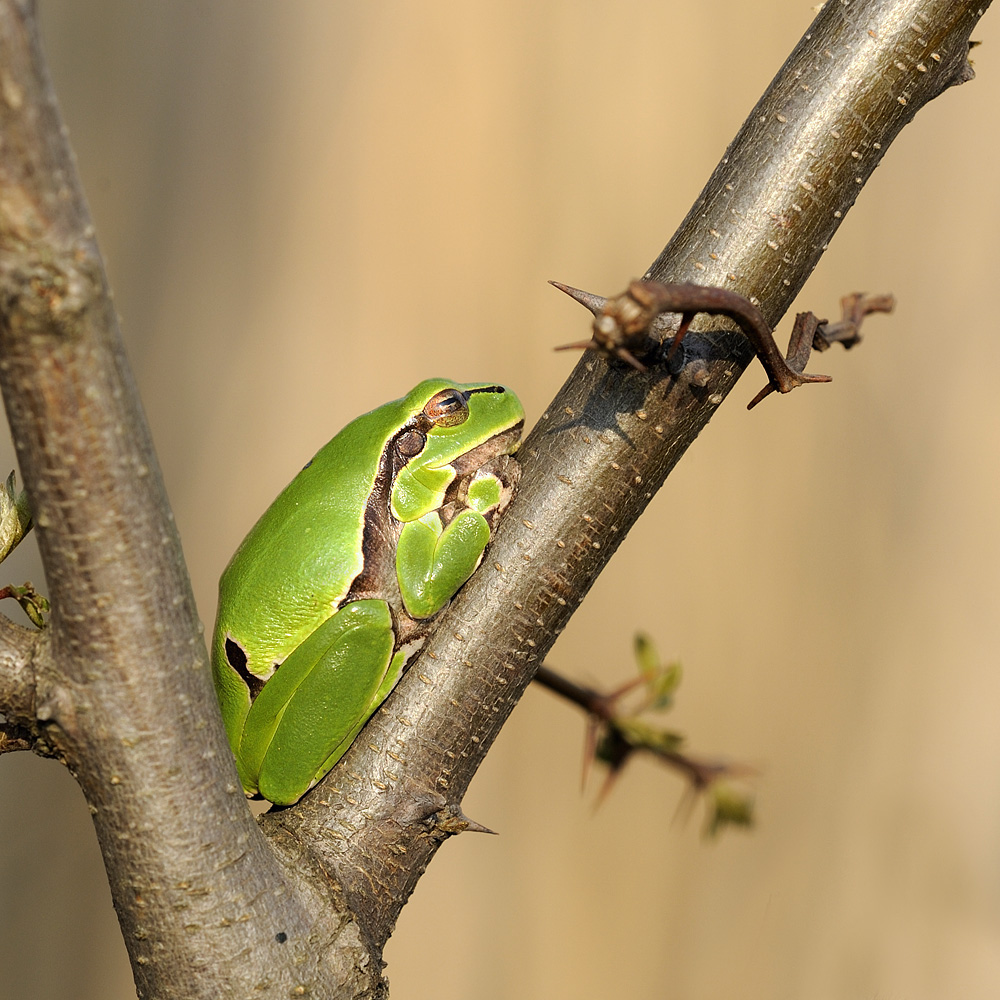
column 810, row 333
column 620, row 740
column 588, row 699
column 854, row 308
column 624, row 327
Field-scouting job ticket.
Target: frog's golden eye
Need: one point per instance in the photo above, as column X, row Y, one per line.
column 447, row 408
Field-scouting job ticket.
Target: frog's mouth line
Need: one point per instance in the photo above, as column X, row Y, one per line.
column 506, row 442
column 485, row 388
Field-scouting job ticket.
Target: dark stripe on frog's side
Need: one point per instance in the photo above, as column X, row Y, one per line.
column 381, row 533
column 381, row 530
column 236, row 657
column 376, row 580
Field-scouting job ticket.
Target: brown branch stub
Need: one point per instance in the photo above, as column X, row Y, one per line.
column 634, row 325
column 810, row 333
column 854, row 308
column 624, row 327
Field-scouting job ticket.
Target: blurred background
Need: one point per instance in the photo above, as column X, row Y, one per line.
column 307, row 206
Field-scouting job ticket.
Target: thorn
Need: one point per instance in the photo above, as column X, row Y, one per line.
column 686, row 319
column 579, row 345
column 473, row 827
column 609, row 783
column 763, row 394
column 595, row 303
column 589, row 750
column 630, row 359
column 452, row 820
column 686, row 804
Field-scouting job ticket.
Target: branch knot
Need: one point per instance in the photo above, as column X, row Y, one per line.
column 42, row 293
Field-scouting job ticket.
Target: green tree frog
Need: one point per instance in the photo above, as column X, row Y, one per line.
column 335, row 587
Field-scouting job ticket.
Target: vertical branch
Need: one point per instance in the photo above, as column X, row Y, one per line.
column 121, row 681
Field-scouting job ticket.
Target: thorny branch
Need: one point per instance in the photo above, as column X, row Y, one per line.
column 608, row 440
column 609, row 723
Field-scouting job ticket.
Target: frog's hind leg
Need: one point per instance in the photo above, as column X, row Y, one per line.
column 319, row 698
column 392, row 675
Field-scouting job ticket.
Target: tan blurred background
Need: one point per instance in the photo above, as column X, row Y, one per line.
column 308, row 205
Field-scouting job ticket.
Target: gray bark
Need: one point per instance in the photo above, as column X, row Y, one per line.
column 212, row 903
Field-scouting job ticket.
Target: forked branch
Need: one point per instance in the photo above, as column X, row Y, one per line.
column 209, row 906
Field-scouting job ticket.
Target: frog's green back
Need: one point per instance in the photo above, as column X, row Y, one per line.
column 300, row 558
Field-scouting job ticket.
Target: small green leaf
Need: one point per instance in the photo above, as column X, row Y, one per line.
column 665, row 684
column 640, row 735
column 727, row 807
column 33, row 604
column 15, row 516
column 646, row 656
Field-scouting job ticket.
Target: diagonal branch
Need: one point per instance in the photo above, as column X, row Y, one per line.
column 611, row 436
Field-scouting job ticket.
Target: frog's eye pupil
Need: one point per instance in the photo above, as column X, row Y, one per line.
column 447, row 408
column 410, row 443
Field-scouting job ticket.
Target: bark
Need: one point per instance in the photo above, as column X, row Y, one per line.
column 119, row 682
column 213, row 904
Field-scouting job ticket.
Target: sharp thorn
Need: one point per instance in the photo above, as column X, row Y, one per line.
column 629, row 358
column 609, row 783
column 763, row 394
column 595, row 303
column 589, row 751
column 471, row 826
column 579, row 345
column 451, row 820
column 686, row 319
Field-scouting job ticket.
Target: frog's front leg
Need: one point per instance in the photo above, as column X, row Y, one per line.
column 433, row 561
column 312, row 707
